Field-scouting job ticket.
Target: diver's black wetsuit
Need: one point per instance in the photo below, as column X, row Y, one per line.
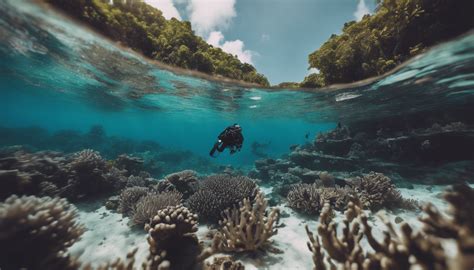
column 231, row 137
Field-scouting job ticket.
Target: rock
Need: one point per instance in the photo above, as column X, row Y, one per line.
column 398, row 220
column 310, row 177
column 112, row 203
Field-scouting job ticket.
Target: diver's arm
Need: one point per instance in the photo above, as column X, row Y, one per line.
column 214, row 148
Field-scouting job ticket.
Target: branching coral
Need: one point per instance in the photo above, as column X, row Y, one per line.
column 459, row 227
column 148, row 205
column 220, row 192
column 399, row 249
column 87, row 160
column 306, row 198
column 129, row 197
column 376, row 191
column 36, row 232
column 311, row 198
column 171, row 238
column 248, row 227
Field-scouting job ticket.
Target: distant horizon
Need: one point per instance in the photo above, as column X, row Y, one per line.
column 251, row 29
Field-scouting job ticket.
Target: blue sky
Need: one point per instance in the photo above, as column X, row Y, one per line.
column 275, row 36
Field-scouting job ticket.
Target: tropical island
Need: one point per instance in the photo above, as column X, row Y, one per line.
column 397, row 31
column 144, row 29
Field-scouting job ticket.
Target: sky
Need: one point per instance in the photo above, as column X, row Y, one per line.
column 276, row 36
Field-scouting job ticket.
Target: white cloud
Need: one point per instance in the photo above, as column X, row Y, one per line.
column 234, row 47
column 166, row 6
column 210, row 15
column 361, row 10
column 215, row 38
column 313, row 70
column 265, row 37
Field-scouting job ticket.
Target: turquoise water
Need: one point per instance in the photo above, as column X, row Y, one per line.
column 57, row 75
column 393, row 143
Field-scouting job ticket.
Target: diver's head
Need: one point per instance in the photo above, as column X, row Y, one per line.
column 237, row 126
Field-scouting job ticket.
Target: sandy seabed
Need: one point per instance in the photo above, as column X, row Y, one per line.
column 109, row 237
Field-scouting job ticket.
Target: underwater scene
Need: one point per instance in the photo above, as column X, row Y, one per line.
column 105, row 160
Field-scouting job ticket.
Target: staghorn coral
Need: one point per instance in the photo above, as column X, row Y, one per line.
column 224, row 263
column 247, row 228
column 129, row 197
column 377, row 191
column 402, row 249
column 148, row 205
column 460, row 226
column 311, row 198
column 36, row 232
column 185, row 182
column 172, row 240
column 220, row 192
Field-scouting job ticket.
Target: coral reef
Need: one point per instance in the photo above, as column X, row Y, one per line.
column 129, row 197
column 133, row 165
column 311, row 198
column 148, row 205
column 185, row 182
column 36, row 232
column 374, row 190
column 247, row 228
column 218, row 192
column 405, row 152
column 76, row 176
column 172, row 240
column 224, row 263
column 140, row 155
column 377, row 191
column 401, row 248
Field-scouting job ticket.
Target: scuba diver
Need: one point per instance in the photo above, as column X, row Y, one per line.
column 231, row 138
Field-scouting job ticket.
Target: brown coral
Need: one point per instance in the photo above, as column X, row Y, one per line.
column 171, row 238
column 148, row 205
column 311, row 198
column 224, row 263
column 36, row 232
column 460, row 226
column 220, row 192
column 398, row 250
column 185, row 182
column 129, row 197
column 377, row 191
column 87, row 160
column 247, row 228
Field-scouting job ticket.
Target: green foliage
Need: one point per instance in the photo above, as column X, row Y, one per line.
column 313, row 81
column 144, row 29
column 288, row 85
column 398, row 30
